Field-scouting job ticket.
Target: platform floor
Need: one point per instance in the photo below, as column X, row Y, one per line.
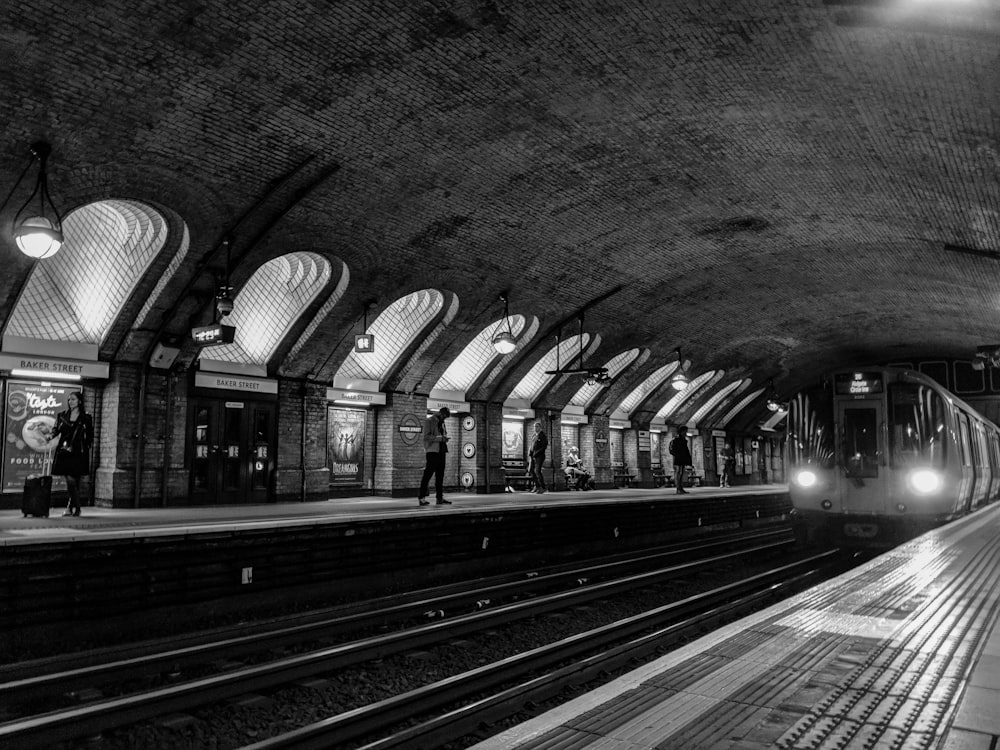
column 902, row 652
column 95, row 523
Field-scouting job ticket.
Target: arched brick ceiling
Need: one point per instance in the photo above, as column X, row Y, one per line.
column 775, row 185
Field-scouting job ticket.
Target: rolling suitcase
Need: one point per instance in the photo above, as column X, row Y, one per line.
column 37, row 496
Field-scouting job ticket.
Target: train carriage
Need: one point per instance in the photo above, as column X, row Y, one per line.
column 878, row 455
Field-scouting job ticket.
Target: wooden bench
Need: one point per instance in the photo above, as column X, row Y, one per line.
column 515, row 475
column 661, row 478
column 622, row 476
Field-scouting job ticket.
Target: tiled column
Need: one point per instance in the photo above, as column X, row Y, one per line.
column 601, row 457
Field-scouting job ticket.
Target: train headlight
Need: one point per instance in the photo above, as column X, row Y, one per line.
column 925, row 481
column 805, row 478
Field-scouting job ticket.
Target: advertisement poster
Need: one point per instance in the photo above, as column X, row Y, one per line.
column 654, row 449
column 513, row 438
column 29, row 416
column 346, row 444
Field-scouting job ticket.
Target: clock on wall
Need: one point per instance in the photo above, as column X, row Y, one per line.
column 468, row 450
column 468, row 422
column 467, row 479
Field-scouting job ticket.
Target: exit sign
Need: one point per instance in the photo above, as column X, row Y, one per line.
column 214, row 334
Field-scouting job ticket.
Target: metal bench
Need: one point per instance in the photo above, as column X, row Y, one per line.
column 515, row 475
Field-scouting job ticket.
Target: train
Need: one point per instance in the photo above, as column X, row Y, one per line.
column 879, row 455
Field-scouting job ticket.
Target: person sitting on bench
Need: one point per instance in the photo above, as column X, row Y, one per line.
column 575, row 469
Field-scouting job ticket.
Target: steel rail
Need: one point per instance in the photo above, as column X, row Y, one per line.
column 93, row 718
column 353, row 725
column 29, row 687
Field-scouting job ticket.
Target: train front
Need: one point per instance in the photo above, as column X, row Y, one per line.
column 867, row 458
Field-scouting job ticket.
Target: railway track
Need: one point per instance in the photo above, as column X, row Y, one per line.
column 155, row 682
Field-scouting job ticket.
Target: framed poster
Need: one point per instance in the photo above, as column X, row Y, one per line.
column 345, row 444
column 513, row 438
column 29, row 416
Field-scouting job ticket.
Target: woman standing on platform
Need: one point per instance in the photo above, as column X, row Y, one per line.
column 682, row 457
column 74, row 435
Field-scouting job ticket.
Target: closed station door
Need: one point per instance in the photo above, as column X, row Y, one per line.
column 232, row 444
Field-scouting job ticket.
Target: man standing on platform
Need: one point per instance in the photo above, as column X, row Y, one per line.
column 536, row 454
column 436, row 447
column 682, row 457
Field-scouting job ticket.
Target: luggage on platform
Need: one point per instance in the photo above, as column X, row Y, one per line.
column 37, row 497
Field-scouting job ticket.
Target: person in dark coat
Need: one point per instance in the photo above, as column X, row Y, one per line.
column 682, row 458
column 436, row 448
column 536, row 454
column 728, row 460
column 73, row 436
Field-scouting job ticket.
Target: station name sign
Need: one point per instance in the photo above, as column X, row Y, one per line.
column 857, row 383
column 235, row 382
column 365, row 398
column 57, row 367
column 214, row 334
column 455, row 407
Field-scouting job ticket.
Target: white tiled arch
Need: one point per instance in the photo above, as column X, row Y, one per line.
column 76, row 295
column 269, row 304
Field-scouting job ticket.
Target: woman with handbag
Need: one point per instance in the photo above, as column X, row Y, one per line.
column 74, row 431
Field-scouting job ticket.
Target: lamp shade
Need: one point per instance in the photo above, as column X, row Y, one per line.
column 504, row 342
column 36, row 237
column 679, row 381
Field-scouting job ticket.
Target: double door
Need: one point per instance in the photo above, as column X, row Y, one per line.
column 232, row 444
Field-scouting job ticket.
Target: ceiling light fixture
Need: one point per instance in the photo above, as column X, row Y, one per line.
column 679, row 381
column 39, row 235
column 503, row 339
column 773, row 402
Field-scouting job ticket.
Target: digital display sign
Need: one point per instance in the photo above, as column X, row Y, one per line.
column 364, row 343
column 858, row 383
column 217, row 333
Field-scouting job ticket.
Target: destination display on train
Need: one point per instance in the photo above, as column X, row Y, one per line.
column 857, row 383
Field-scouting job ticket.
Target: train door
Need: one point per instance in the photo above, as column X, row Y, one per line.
column 863, row 484
column 965, row 493
column 232, row 444
column 980, row 464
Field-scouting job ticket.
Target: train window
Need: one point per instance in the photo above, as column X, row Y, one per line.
column 936, row 370
column 968, row 380
column 916, row 425
column 966, row 440
column 810, row 430
column 860, row 442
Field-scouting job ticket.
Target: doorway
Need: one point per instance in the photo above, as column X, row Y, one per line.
column 863, row 485
column 232, row 451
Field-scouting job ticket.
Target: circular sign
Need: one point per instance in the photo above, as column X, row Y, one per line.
column 467, row 479
column 468, row 450
column 468, row 422
column 410, row 429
